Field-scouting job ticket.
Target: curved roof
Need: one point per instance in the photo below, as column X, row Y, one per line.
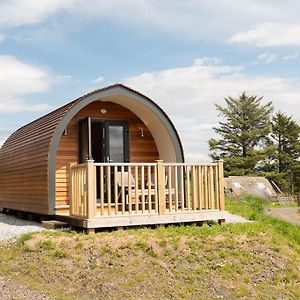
column 45, row 132
column 49, row 121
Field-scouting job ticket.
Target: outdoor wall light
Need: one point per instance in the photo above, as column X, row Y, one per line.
column 103, row 111
column 141, row 133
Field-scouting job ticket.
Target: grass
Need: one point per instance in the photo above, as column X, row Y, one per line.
column 253, row 208
column 258, row 260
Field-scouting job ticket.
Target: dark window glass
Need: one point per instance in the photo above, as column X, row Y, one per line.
column 83, row 141
column 116, row 143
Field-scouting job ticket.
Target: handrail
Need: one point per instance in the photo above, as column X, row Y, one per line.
column 73, row 166
column 190, row 164
column 112, row 164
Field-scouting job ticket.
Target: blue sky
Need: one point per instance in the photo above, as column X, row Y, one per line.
column 185, row 55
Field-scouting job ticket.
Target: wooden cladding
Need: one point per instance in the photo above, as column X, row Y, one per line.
column 24, row 165
column 145, row 188
column 140, row 149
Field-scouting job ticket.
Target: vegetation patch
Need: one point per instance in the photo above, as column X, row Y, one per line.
column 258, row 260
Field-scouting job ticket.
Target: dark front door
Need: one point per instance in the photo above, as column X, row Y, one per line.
column 98, row 141
column 103, row 141
column 117, row 144
column 84, row 132
column 110, row 141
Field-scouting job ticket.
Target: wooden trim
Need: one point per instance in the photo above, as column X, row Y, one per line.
column 151, row 219
column 91, row 189
column 188, row 164
column 126, row 164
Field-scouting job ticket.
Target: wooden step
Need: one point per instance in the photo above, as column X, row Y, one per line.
column 54, row 224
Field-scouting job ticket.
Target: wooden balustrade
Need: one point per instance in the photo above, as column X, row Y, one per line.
column 126, row 188
column 120, row 189
column 78, row 190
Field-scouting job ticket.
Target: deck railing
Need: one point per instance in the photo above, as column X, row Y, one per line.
column 82, row 190
column 110, row 189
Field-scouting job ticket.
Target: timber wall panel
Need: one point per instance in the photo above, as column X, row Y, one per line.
column 24, row 165
column 140, row 149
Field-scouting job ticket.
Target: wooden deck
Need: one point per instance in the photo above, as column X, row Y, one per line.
column 150, row 219
column 129, row 194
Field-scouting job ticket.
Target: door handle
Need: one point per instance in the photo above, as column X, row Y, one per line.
column 109, row 160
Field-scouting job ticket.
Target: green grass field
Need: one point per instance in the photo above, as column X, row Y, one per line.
column 258, row 260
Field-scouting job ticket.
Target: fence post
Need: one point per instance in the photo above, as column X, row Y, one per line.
column 70, row 191
column 91, row 189
column 161, row 187
column 221, row 184
column 71, row 182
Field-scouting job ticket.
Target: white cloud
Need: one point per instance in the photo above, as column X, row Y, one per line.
column 98, row 79
column 18, row 105
column 271, row 22
column 292, row 56
column 266, row 57
column 188, row 19
column 19, row 12
column 269, row 34
column 18, row 79
column 188, row 95
column 208, row 61
column 64, row 77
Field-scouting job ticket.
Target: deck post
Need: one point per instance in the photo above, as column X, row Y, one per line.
column 161, row 187
column 91, row 189
column 71, row 182
column 221, row 184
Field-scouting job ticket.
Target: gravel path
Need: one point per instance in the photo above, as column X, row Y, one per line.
column 11, row 290
column 231, row 218
column 228, row 217
column 12, row 227
column 289, row 214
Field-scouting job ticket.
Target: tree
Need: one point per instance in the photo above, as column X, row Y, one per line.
column 244, row 134
column 285, row 132
column 296, row 178
column 285, row 135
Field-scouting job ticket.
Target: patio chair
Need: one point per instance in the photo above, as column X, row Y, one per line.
column 167, row 192
column 135, row 194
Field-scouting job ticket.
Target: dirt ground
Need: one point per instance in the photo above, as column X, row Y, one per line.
column 234, row 261
column 289, row 214
column 231, row 262
column 11, row 290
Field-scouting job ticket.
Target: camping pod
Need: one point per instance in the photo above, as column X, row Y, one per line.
column 114, row 124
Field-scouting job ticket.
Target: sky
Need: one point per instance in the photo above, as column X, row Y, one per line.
column 185, row 55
